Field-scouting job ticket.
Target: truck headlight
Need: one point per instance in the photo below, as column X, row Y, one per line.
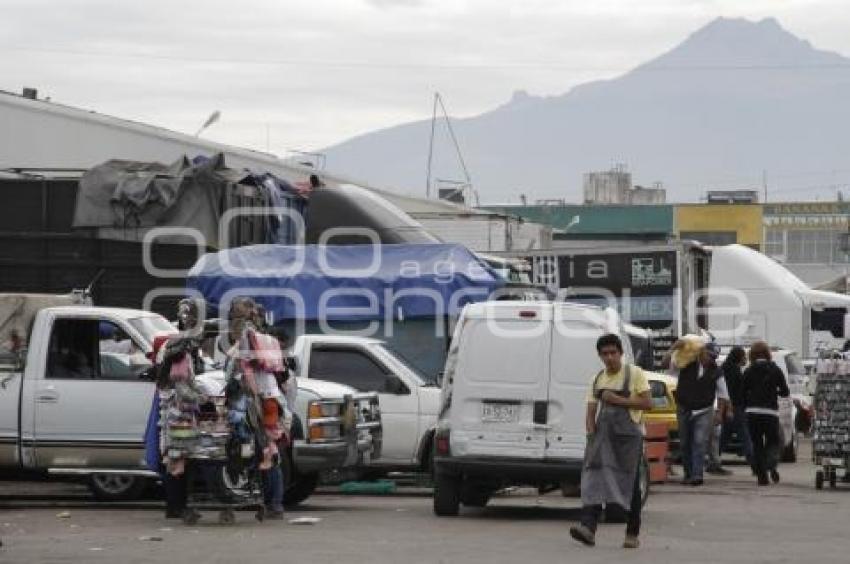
column 322, row 410
column 325, row 432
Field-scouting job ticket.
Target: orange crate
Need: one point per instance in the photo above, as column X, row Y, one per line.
column 657, row 472
column 656, row 451
column 656, row 431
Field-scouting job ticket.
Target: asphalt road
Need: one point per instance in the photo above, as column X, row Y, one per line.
column 730, row 519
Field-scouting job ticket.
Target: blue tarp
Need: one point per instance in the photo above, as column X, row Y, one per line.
column 355, row 282
column 153, row 458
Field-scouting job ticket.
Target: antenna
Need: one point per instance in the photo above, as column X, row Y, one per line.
column 88, row 289
column 438, row 103
column 764, row 183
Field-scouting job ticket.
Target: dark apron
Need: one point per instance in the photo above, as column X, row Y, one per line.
column 613, row 453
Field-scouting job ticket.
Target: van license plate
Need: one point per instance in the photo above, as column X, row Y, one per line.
column 499, row 412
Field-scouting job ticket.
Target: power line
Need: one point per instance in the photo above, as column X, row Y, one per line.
column 550, row 65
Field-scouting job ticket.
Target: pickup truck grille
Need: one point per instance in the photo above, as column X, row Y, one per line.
column 369, row 419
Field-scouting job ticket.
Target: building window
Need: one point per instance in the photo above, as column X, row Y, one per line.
column 774, row 243
column 812, row 246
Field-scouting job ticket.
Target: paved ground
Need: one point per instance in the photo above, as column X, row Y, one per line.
column 728, row 520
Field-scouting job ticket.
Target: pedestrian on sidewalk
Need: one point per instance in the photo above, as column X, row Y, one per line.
column 732, row 371
column 615, row 404
column 714, row 455
column 764, row 384
column 700, row 384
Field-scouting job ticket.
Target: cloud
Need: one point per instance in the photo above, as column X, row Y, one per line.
column 316, row 72
column 388, row 4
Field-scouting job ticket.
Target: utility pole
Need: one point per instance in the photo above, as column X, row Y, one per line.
column 431, row 146
column 764, row 183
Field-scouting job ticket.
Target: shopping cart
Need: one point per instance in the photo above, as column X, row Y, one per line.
column 227, row 470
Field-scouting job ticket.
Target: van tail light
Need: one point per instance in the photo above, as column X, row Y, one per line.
column 441, row 444
column 526, row 314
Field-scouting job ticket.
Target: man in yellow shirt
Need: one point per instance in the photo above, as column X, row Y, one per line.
column 616, row 401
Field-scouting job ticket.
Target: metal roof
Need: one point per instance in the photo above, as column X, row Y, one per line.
column 258, row 160
column 598, row 220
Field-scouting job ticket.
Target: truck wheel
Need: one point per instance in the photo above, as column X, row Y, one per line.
column 426, row 458
column 116, row 487
column 304, row 486
column 789, row 453
column 476, row 499
column 446, row 495
column 297, row 486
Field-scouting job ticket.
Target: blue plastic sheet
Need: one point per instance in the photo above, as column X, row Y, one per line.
column 153, row 458
column 346, row 283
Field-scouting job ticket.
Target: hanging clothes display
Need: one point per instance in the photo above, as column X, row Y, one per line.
column 179, row 403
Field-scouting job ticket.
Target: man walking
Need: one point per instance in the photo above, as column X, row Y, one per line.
column 615, row 403
column 732, row 372
column 700, row 383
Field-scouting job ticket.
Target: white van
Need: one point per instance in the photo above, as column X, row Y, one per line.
column 514, row 399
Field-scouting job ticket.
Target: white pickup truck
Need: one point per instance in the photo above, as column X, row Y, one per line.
column 74, row 400
column 409, row 403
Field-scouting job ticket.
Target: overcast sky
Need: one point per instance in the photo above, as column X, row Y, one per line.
column 305, row 74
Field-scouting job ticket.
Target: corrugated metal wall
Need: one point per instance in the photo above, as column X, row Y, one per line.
column 39, row 252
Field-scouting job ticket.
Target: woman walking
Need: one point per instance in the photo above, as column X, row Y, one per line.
column 763, row 384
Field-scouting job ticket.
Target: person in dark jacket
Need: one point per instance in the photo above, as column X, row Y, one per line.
column 764, row 384
column 700, row 383
column 732, row 371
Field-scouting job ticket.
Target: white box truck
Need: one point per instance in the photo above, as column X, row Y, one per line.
column 753, row 297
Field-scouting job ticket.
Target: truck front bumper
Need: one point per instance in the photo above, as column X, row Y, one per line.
column 316, row 457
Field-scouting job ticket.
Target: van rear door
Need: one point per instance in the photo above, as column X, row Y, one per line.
column 501, row 382
column 574, row 365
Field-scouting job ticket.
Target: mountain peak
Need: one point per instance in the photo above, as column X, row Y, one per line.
column 742, row 42
column 520, row 99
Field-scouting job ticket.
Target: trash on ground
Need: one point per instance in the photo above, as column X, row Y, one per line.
column 305, row 521
column 64, row 515
column 155, row 539
column 376, row 487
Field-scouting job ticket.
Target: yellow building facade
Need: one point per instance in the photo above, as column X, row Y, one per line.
column 721, row 224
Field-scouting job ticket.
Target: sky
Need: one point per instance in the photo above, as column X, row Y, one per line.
column 305, row 74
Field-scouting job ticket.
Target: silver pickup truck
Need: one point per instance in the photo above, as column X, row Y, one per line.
column 75, row 394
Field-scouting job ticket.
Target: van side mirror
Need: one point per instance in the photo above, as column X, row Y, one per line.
column 439, row 380
column 395, row 386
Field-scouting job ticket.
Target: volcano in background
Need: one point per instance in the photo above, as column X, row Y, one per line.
column 735, row 98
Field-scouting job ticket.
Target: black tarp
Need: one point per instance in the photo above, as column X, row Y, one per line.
column 123, row 199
